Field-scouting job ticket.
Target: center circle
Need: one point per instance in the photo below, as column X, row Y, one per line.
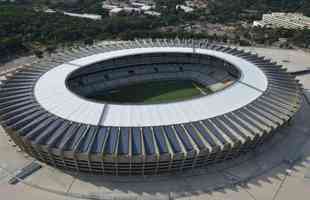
column 152, row 78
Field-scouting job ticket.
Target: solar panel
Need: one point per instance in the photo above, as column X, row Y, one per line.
column 48, row 132
column 172, row 139
column 148, row 141
column 194, row 135
column 100, row 140
column 160, row 140
column 205, row 134
column 136, row 141
column 123, row 145
column 87, row 140
column 110, row 145
column 183, row 137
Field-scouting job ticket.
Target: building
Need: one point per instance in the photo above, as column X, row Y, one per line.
column 186, row 9
column 115, row 11
column 152, row 13
column 88, row 16
column 84, row 15
column 285, row 20
column 130, row 7
column 48, row 110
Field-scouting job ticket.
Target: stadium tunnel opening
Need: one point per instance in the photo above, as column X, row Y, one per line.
column 152, row 78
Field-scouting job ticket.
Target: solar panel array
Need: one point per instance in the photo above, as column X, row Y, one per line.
column 74, row 144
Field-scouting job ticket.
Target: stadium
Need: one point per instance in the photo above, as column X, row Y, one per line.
column 147, row 106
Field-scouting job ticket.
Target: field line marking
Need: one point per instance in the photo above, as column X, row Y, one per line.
column 198, row 88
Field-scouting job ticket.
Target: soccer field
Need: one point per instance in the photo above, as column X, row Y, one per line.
column 154, row 92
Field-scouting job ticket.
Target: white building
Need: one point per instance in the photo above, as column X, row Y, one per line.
column 109, row 7
column 115, row 11
column 285, row 20
column 89, row 16
column 134, row 6
column 152, row 13
column 49, row 11
column 186, row 9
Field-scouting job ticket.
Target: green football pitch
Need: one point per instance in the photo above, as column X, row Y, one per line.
column 154, row 92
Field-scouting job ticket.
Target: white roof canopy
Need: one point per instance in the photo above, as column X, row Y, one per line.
column 51, row 92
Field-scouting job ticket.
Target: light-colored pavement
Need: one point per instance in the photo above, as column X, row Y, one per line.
column 293, row 60
column 280, row 170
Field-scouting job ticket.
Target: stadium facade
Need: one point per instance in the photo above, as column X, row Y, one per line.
column 48, row 109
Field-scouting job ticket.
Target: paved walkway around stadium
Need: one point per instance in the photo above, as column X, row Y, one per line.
column 293, row 60
column 279, row 170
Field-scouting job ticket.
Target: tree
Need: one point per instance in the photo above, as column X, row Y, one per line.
column 89, row 41
column 51, row 48
column 38, row 53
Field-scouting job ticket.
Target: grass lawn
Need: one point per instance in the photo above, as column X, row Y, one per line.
column 153, row 92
